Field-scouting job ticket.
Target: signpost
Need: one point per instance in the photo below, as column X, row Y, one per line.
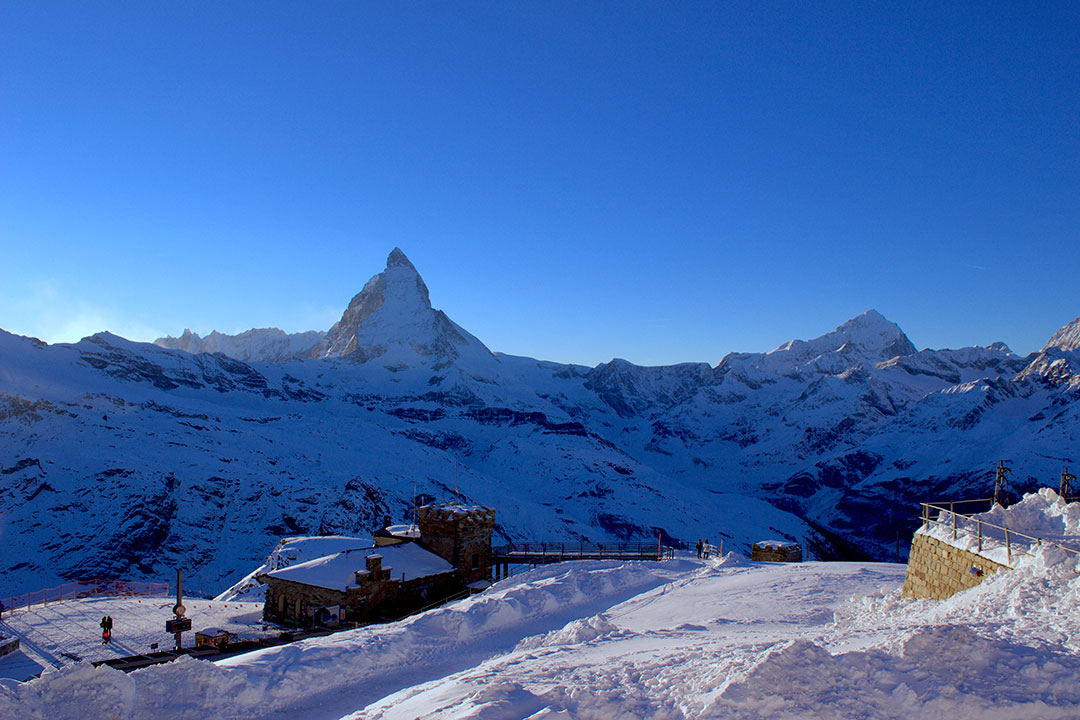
column 181, row 623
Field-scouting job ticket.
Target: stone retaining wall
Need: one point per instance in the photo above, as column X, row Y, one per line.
column 938, row 570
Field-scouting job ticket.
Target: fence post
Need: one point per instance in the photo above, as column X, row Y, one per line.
column 979, row 523
column 953, row 521
column 1008, row 546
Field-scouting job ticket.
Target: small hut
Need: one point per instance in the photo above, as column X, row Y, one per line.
column 776, row 551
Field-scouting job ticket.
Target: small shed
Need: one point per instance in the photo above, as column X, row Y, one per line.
column 213, row 637
column 776, row 551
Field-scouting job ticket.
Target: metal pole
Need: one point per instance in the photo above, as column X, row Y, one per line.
column 953, row 521
column 979, row 523
column 1008, row 546
column 179, row 608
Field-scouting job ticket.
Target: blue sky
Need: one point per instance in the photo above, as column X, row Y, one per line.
column 662, row 182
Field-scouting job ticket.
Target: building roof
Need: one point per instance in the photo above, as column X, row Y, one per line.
column 399, row 531
column 337, row 571
column 458, row 508
column 775, row 544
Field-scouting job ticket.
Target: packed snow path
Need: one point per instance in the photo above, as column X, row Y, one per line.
column 681, row 639
column 66, row 633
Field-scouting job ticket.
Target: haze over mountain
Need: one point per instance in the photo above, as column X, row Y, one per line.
column 127, row 459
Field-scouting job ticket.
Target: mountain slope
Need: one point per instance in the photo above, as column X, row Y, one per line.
column 259, row 344
column 127, row 459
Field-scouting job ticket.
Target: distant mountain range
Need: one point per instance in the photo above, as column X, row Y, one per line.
column 123, row 459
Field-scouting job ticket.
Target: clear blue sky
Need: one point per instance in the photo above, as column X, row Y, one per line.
column 575, row 181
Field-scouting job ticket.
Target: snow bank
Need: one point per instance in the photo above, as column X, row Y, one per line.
column 946, row 671
column 368, row 661
column 1044, row 515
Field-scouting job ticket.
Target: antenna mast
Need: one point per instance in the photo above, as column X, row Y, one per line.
column 1001, row 484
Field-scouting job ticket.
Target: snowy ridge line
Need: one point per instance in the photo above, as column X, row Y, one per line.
column 82, row 589
column 951, row 523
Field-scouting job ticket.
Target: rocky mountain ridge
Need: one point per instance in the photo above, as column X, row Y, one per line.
column 127, row 459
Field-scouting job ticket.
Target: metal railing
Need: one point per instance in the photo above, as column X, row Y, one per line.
column 531, row 552
column 82, row 589
column 982, row 530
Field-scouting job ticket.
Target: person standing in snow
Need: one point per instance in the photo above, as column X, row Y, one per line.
column 104, row 629
column 699, row 548
column 108, row 620
column 705, row 550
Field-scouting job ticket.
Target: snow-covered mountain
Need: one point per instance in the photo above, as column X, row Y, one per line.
column 259, row 344
column 391, row 320
column 127, row 459
column 1067, row 338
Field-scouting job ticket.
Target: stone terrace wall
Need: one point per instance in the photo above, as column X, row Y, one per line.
column 938, row 570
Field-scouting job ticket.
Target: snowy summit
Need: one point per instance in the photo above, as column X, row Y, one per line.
column 392, row 319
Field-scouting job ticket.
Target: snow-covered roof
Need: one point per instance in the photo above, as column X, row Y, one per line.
column 337, row 572
column 459, row 509
column 775, row 544
column 408, row 531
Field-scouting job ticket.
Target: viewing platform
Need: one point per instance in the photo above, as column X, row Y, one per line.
column 542, row 553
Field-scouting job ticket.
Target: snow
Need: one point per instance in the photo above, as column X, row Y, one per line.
column 458, row 508
column 1067, row 338
column 685, row 638
column 127, row 460
column 259, row 344
column 775, row 544
column 53, row 635
column 1040, row 517
column 409, row 531
column 407, row 561
column 288, row 552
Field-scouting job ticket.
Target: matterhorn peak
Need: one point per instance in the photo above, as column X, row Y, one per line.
column 392, row 317
column 398, row 258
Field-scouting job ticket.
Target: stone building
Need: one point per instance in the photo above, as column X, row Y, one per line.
column 461, row 535
column 407, row 569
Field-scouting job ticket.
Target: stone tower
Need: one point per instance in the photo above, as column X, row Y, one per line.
column 461, row 534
